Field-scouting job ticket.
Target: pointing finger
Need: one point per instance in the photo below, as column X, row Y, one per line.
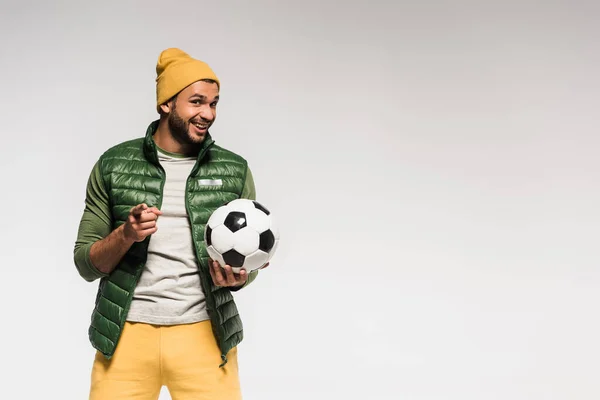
column 154, row 210
column 137, row 210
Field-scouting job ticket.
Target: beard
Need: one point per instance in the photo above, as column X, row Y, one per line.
column 180, row 129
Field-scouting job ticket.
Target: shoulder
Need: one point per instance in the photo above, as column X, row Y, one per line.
column 128, row 147
column 221, row 154
column 125, row 151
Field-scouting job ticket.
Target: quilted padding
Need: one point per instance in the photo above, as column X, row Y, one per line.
column 133, row 175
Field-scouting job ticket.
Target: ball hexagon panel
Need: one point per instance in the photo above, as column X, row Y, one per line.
column 222, row 239
column 218, row 217
column 242, row 205
column 215, row 255
column 255, row 260
column 257, row 220
column 246, row 241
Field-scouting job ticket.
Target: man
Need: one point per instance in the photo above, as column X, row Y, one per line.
column 164, row 314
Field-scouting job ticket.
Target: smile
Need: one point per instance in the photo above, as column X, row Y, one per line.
column 200, row 126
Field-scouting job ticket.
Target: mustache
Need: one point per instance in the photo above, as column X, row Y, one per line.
column 201, row 121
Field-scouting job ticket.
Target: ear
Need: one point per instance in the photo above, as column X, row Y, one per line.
column 166, row 107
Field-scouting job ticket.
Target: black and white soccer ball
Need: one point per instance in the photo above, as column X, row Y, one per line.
column 241, row 234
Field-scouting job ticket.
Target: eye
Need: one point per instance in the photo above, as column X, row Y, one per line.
column 213, row 105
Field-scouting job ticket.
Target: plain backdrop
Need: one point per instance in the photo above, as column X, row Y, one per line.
column 433, row 167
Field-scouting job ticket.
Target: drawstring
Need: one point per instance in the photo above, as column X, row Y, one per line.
column 224, row 358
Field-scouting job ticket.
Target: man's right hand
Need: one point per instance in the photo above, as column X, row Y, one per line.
column 141, row 222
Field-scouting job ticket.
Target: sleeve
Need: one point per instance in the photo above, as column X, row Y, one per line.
column 95, row 224
column 249, row 190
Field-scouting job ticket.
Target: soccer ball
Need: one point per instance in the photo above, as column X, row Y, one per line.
column 241, row 234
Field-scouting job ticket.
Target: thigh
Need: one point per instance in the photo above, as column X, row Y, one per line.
column 191, row 360
column 134, row 370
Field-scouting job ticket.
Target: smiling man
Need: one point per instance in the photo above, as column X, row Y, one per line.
column 164, row 313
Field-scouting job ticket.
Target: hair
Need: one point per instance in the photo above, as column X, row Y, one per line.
column 208, row 80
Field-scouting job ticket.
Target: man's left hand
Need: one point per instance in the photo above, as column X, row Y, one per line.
column 225, row 277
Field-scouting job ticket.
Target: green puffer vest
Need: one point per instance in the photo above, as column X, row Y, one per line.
column 133, row 175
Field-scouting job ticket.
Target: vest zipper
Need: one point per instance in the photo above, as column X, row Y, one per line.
column 139, row 273
column 205, row 287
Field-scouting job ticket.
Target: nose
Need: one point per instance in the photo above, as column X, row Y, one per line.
column 207, row 113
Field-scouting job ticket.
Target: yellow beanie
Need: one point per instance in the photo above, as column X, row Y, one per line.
column 176, row 70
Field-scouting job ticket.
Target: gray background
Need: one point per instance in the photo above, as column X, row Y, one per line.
column 433, row 167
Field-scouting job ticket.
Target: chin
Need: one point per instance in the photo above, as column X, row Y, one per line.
column 194, row 136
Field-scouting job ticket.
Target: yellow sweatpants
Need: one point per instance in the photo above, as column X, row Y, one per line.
column 184, row 358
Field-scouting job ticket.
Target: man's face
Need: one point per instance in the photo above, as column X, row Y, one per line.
column 193, row 112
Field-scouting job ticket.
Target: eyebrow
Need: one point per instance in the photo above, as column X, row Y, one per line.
column 202, row 97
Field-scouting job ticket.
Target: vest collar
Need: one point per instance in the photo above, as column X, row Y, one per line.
column 151, row 152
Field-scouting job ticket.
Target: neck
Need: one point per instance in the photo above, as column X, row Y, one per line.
column 166, row 141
